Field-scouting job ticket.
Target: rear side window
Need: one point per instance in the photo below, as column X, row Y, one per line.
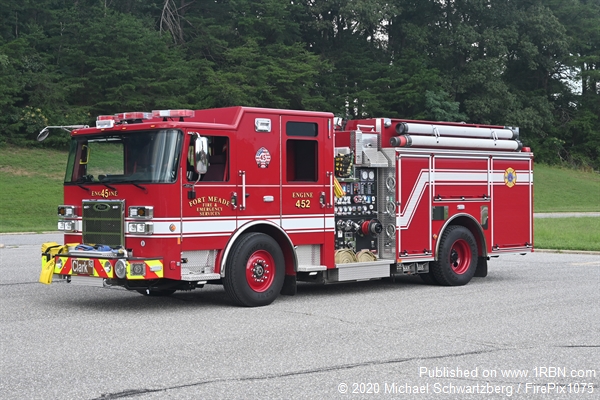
column 302, row 156
column 306, row 129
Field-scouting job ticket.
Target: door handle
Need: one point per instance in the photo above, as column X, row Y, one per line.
column 243, row 175
column 234, row 200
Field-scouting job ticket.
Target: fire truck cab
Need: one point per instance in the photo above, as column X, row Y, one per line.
column 260, row 199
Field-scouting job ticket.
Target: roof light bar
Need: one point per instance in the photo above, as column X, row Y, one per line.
column 106, row 121
column 133, row 115
column 173, row 113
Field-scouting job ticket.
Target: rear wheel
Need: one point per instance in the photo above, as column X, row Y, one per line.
column 254, row 272
column 457, row 258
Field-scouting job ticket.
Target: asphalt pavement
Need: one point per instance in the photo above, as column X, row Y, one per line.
column 529, row 330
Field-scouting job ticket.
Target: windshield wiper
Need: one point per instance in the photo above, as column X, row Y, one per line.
column 137, row 185
column 108, row 186
column 80, row 182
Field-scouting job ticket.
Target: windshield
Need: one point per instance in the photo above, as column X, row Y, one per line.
column 140, row 157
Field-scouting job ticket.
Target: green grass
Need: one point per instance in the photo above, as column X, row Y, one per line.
column 567, row 233
column 31, row 182
column 565, row 190
column 31, row 188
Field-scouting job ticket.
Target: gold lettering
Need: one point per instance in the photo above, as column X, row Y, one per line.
column 302, row 195
column 104, row 193
column 196, row 201
column 209, row 211
column 209, row 205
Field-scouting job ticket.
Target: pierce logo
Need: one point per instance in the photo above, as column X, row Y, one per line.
column 104, row 193
column 101, row 207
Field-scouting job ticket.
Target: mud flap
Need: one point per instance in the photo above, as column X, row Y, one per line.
column 482, row 268
column 289, row 285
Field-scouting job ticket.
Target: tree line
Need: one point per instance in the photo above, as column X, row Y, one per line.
column 528, row 63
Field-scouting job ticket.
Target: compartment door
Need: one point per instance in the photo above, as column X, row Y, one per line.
column 512, row 208
column 414, row 211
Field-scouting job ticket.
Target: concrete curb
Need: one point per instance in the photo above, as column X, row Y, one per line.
column 566, row 215
column 597, row 253
column 28, row 233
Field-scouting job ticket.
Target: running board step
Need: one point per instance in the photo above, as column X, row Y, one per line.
column 200, row 277
column 311, row 268
column 362, row 270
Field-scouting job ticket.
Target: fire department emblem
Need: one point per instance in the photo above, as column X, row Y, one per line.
column 263, row 158
column 510, row 177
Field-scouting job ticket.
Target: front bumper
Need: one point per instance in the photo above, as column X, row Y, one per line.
column 65, row 261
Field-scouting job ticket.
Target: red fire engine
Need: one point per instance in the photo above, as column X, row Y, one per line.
column 259, row 199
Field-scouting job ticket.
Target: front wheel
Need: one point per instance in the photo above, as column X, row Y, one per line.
column 457, row 259
column 254, row 272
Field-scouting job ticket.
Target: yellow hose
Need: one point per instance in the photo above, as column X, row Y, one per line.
column 345, row 256
column 365, row 256
column 337, row 188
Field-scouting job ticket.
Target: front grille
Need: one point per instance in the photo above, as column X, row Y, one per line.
column 103, row 222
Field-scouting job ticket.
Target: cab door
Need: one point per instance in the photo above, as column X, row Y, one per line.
column 208, row 201
column 414, row 212
column 307, row 180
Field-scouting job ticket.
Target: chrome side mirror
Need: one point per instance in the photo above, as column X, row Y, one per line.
column 201, row 154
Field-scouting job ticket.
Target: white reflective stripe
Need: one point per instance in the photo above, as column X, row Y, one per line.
column 459, row 176
column 329, row 222
column 160, row 226
column 274, row 219
column 403, row 220
column 523, row 177
column 302, row 223
column 206, row 235
column 415, row 197
column 219, row 226
column 209, row 226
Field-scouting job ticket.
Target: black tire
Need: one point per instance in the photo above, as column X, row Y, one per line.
column 156, row 293
column 254, row 271
column 457, row 259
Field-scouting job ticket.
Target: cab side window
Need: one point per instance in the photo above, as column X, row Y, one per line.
column 218, row 161
column 301, row 151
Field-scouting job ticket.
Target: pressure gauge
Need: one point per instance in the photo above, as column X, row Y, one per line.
column 371, row 175
column 364, row 175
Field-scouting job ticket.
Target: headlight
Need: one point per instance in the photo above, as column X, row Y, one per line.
column 121, row 269
column 66, row 225
column 107, row 267
column 144, row 228
column 145, row 212
column 66, row 211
